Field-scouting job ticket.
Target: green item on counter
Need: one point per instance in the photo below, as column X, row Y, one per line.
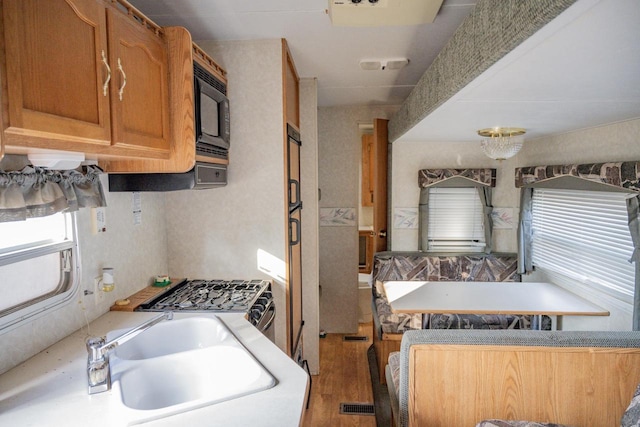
column 162, row 284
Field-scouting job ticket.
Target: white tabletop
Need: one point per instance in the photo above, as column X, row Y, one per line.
column 487, row 298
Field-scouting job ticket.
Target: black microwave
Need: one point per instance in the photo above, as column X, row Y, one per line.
column 212, row 124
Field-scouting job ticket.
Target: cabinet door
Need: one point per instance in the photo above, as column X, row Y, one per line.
column 55, row 72
column 139, row 88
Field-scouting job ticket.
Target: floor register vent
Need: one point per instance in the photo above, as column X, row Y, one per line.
column 354, row 338
column 357, row 408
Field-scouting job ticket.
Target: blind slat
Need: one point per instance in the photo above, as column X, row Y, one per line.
column 455, row 219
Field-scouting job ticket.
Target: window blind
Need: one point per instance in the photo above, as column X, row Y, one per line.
column 584, row 236
column 455, row 220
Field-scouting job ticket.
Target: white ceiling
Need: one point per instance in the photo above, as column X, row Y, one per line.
column 331, row 54
column 581, row 70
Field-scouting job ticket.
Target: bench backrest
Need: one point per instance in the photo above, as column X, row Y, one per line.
column 458, row 377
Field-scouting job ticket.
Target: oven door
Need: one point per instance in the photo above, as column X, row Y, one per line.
column 265, row 325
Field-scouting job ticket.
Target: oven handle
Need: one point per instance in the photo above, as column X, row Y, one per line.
column 272, row 309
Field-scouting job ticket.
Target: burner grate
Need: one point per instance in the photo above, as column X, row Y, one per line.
column 210, row 295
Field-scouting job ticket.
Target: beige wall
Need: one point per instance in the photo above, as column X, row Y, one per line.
column 137, row 253
column 339, row 151
column 614, row 142
column 410, row 157
column 228, row 232
column 210, row 233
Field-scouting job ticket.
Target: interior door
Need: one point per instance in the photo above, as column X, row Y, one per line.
column 380, row 147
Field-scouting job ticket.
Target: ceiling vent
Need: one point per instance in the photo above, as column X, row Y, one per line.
column 377, row 13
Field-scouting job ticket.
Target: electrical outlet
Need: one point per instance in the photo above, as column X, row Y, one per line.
column 98, row 294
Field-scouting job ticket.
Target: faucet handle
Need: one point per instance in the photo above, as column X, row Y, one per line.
column 93, row 347
column 98, row 372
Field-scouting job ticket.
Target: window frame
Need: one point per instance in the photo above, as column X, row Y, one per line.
column 567, row 274
column 69, row 281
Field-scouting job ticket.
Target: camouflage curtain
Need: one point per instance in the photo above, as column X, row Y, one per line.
column 624, row 175
column 35, row 192
column 525, row 265
column 633, row 211
column 485, row 199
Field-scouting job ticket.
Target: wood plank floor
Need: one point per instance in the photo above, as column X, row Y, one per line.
column 344, row 377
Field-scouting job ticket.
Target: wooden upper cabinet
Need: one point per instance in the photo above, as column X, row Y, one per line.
column 66, row 63
column 55, row 72
column 139, row 88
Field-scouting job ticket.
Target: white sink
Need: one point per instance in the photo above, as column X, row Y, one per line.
column 172, row 336
column 180, row 365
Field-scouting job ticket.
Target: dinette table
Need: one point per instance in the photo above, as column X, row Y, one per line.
column 524, row 298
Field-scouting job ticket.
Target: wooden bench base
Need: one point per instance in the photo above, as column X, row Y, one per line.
column 384, row 347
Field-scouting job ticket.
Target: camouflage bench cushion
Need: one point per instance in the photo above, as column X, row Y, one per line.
column 406, row 266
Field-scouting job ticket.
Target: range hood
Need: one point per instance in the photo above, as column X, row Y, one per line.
column 202, row 176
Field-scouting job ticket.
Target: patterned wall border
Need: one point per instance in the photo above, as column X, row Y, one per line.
column 493, row 29
column 337, row 217
column 618, row 174
column 405, row 218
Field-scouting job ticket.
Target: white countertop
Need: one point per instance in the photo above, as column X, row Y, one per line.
column 51, row 387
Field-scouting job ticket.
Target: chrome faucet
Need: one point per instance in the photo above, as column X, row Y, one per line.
column 98, row 372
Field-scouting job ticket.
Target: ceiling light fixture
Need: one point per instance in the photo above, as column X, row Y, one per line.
column 501, row 143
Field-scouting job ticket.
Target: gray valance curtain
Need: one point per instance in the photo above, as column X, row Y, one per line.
column 482, row 179
column 34, row 192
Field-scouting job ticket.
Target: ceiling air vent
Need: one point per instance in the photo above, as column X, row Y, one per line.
column 377, row 13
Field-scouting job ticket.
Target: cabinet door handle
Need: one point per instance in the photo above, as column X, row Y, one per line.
column 105, row 85
column 124, row 79
column 294, row 196
column 292, row 241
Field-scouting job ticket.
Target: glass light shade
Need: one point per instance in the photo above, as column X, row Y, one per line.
column 501, row 143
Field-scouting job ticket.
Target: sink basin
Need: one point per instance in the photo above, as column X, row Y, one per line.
column 180, row 365
column 172, row 336
column 208, row 376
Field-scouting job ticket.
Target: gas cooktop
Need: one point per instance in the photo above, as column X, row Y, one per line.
column 209, row 295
